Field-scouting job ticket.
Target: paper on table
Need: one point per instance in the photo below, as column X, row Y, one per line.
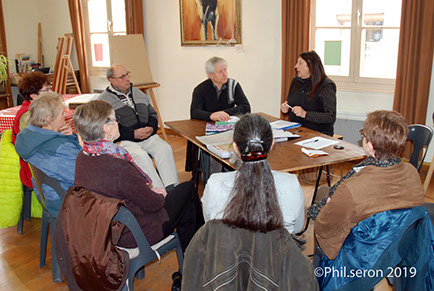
column 316, row 142
column 314, row 153
column 281, row 133
column 217, row 139
column 283, row 124
column 84, row 98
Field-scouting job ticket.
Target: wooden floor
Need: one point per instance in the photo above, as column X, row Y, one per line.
column 19, row 254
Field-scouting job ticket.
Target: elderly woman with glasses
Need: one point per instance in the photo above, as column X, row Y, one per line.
column 381, row 182
column 49, row 144
column 30, row 85
column 109, row 170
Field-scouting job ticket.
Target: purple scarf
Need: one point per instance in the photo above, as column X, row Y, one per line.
column 104, row 147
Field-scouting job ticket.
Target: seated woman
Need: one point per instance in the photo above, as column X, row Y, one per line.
column 30, row 85
column 381, row 182
column 107, row 169
column 249, row 249
column 253, row 140
column 312, row 95
column 49, row 144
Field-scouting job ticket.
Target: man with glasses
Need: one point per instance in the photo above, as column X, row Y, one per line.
column 138, row 123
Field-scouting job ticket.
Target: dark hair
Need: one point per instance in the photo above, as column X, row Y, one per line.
column 31, row 83
column 317, row 73
column 253, row 204
column 89, row 119
column 387, row 131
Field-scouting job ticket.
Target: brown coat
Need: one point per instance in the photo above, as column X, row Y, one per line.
column 84, row 240
column 370, row 191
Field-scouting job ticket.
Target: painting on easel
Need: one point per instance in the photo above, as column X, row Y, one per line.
column 210, row 22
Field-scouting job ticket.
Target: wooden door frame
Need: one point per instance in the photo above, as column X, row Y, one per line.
column 4, row 50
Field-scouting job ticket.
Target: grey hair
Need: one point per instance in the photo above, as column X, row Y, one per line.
column 45, row 109
column 212, row 62
column 109, row 72
column 89, row 120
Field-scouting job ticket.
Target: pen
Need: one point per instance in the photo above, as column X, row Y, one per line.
column 286, row 104
column 314, row 141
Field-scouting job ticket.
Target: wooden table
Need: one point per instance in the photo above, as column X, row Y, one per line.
column 285, row 156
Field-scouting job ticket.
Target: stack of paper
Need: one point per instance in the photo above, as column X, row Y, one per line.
column 314, row 153
column 281, row 135
column 282, row 124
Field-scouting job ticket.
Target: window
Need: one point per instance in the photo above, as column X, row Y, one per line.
column 103, row 19
column 357, row 41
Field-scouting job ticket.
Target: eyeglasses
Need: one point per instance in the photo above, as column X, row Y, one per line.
column 46, row 89
column 117, row 119
column 362, row 132
column 127, row 74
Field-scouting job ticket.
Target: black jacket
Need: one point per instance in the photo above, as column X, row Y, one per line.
column 225, row 258
column 320, row 111
column 205, row 101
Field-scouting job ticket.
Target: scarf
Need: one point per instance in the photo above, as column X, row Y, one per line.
column 314, row 209
column 104, row 147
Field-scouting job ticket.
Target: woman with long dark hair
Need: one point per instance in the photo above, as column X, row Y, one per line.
column 254, row 197
column 249, row 248
column 312, row 95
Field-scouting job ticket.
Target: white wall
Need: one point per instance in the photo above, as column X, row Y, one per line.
column 21, row 23
column 256, row 64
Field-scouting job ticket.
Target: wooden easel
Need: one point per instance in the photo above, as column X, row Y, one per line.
column 63, row 65
column 145, row 89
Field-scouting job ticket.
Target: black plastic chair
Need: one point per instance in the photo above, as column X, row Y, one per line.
column 421, row 136
column 147, row 253
column 47, row 220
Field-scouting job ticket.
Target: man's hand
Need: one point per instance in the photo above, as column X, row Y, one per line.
column 220, row 116
column 297, row 110
column 160, row 191
column 143, row 133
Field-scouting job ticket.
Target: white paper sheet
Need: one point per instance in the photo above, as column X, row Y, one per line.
column 316, row 143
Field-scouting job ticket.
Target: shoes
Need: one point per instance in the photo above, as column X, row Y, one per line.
column 176, row 285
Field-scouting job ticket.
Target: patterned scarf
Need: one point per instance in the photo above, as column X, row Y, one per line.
column 315, row 208
column 104, row 147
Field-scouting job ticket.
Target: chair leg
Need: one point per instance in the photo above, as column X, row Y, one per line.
column 55, row 268
column 44, row 238
column 25, row 209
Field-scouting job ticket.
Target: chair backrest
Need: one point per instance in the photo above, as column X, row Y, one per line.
column 42, row 179
column 421, row 136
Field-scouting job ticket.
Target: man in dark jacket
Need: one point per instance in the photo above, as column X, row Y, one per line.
column 218, row 97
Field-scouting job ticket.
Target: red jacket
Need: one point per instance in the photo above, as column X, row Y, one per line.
column 25, row 174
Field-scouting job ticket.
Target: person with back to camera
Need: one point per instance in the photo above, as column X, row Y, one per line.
column 253, row 140
column 381, row 182
column 49, row 144
column 108, row 169
column 312, row 95
column 249, row 248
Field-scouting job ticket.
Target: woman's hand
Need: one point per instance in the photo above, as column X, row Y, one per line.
column 284, row 107
column 66, row 129
column 160, row 191
column 300, row 112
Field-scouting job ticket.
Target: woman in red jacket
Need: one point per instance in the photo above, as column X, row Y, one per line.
column 29, row 86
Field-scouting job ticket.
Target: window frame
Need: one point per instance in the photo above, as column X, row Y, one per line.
column 354, row 82
column 93, row 70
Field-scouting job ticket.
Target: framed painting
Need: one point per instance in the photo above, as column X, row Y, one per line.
column 210, row 22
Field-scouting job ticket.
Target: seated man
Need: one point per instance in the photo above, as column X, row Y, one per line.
column 381, row 182
column 218, row 97
column 138, row 123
